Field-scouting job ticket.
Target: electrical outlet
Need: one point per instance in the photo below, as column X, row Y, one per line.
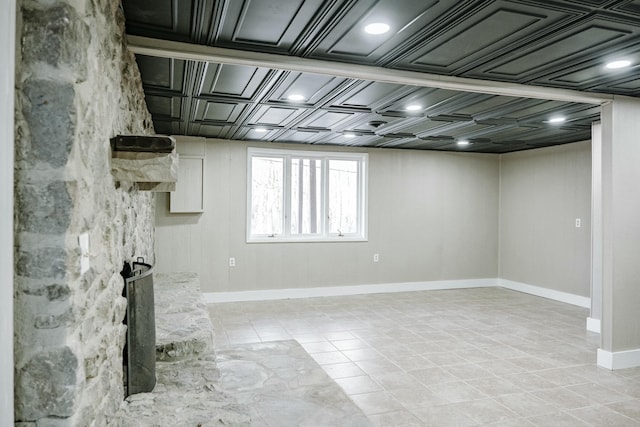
column 376, row 257
column 232, row 262
column 578, row 223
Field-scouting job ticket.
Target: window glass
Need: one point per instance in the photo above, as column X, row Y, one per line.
column 267, row 201
column 306, row 193
column 343, row 196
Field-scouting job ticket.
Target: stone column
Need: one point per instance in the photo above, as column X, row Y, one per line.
column 620, row 336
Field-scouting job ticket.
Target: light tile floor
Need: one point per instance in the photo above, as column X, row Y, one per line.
column 486, row 356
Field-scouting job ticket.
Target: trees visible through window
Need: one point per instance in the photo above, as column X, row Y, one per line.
column 306, row 196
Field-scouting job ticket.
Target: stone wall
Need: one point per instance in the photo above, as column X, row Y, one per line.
column 76, row 87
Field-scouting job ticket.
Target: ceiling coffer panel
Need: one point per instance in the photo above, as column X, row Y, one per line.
column 560, row 50
column 161, row 73
column 237, row 81
column 313, row 88
column 170, row 19
column 347, row 39
column 266, row 24
column 485, row 34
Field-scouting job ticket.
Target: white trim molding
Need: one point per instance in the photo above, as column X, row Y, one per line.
column 332, row 291
column 618, row 359
column 279, row 294
column 593, row 325
column 7, row 94
column 565, row 297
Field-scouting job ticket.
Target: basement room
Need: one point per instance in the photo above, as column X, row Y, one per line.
column 320, row 213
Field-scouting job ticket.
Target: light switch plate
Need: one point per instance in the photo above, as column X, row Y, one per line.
column 83, row 240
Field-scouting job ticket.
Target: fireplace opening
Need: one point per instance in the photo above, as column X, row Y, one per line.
column 139, row 353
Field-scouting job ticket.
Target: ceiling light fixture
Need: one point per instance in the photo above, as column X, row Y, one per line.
column 296, row 97
column 463, row 142
column 376, row 28
column 622, row 63
column 556, row 120
column 414, row 107
column 349, row 135
column 260, row 130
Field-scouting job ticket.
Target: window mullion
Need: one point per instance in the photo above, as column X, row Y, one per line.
column 325, row 196
column 361, row 201
column 286, row 226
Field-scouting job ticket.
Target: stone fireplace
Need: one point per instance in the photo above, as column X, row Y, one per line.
column 77, row 86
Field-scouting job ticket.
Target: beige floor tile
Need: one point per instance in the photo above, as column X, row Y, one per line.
column 361, row 354
column 444, row 415
column 486, row 411
column 358, row 385
column 468, row 371
column 351, row 344
column 562, row 377
column 378, row 402
column 603, row 416
column 377, row 366
column 597, row 394
column 529, row 381
column 339, row 335
column 397, row 419
column 416, row 396
column 457, row 391
column 343, row 370
column 629, row 408
column 525, row 404
column 329, row 358
column 395, row 380
column 559, row 419
column 495, row 386
column 445, row 358
column 431, row 376
column 562, row 398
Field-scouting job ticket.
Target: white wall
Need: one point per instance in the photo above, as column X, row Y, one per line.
column 432, row 216
column 7, row 58
column 542, row 193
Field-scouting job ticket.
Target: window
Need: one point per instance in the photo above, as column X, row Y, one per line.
column 305, row 196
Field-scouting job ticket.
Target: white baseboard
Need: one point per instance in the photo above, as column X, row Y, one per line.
column 593, row 325
column 278, row 294
column 565, row 297
column 618, row 359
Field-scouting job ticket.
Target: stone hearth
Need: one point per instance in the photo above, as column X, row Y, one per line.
column 283, row 386
column 262, row 384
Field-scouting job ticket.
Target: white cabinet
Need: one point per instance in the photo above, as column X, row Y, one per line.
column 188, row 196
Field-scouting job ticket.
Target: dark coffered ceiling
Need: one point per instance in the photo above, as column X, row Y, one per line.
column 551, row 44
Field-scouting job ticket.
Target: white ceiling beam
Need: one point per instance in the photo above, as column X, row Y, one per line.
column 193, row 52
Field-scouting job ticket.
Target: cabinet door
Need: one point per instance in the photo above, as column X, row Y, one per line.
column 189, row 194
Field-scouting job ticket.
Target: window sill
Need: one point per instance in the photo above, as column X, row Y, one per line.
column 307, row 240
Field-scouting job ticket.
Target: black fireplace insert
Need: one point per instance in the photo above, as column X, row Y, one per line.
column 139, row 356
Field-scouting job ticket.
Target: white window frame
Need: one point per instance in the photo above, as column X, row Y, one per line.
column 323, row 235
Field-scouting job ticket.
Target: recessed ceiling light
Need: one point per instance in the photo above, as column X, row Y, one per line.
column 463, row 142
column 622, row 63
column 349, row 135
column 296, row 97
column 556, row 120
column 414, row 107
column 260, row 130
column 376, row 28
